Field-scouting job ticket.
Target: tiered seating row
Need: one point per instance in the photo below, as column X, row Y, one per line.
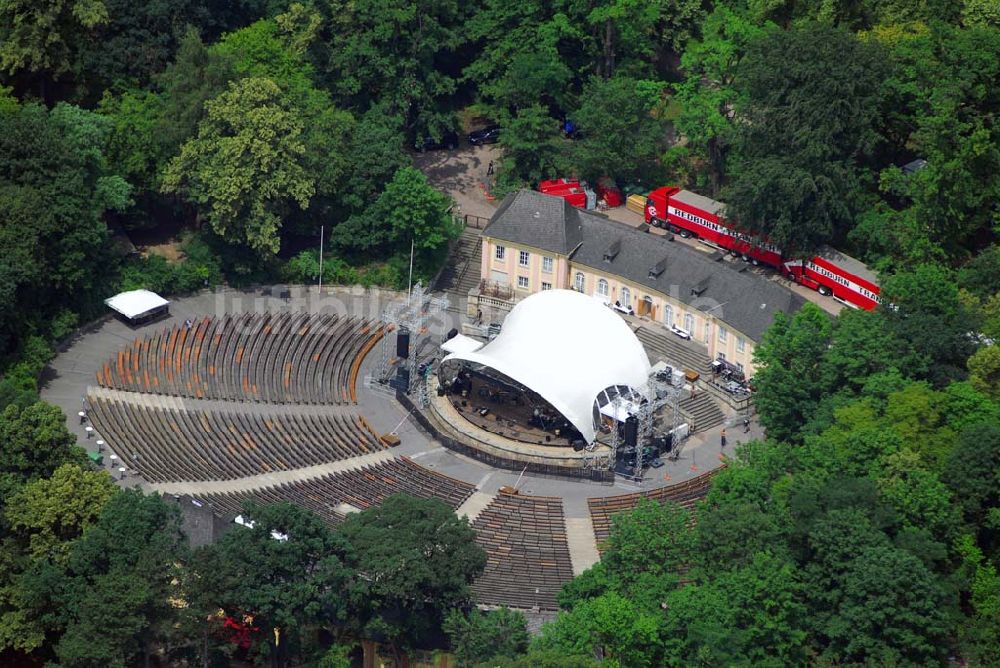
column 361, row 488
column 528, row 558
column 185, row 445
column 686, row 494
column 282, row 358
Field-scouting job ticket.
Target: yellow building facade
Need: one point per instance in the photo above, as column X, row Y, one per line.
column 526, row 270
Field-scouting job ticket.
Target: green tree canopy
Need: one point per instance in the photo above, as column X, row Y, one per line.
column 788, row 375
column 393, row 51
column 610, row 627
column 532, row 152
column 287, row 571
column 55, row 184
column 408, row 210
column 911, row 299
column 112, row 599
column 708, row 92
column 809, row 97
column 480, row 637
column 415, row 559
column 34, row 442
column 44, row 35
column 624, row 133
column 51, row 513
column 245, row 169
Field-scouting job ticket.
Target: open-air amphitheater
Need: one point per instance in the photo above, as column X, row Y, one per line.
column 261, row 394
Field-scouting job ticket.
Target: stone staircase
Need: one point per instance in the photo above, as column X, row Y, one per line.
column 673, row 350
column 702, row 411
column 461, row 273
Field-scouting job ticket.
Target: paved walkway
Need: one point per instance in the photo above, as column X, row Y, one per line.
column 272, row 479
column 474, row 505
column 174, row 403
column 582, row 543
column 461, row 174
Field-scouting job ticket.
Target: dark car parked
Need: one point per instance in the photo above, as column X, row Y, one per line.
column 487, row 135
column 449, row 140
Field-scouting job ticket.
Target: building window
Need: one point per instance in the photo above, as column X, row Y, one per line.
column 721, row 356
column 689, row 323
column 668, row 315
column 522, row 258
column 522, row 282
column 501, row 252
column 723, row 335
column 626, row 298
column 708, row 332
column 741, row 344
column 579, row 282
column 602, row 288
column 739, row 366
column 547, row 265
column 546, row 286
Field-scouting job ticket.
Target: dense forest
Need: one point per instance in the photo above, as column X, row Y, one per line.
column 864, row 531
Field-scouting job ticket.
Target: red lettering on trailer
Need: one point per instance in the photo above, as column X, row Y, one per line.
column 664, row 207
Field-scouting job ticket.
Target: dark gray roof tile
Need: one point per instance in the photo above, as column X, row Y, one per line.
column 533, row 219
column 745, row 301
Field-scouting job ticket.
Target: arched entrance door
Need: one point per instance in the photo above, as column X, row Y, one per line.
column 646, row 307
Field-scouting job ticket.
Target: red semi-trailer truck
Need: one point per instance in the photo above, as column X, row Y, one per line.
column 834, row 273
column 831, row 272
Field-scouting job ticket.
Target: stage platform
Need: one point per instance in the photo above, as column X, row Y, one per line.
column 507, row 438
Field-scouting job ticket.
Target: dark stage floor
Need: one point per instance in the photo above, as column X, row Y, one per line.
column 508, row 414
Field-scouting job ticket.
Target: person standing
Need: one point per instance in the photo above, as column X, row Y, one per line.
column 489, row 169
column 746, row 425
column 722, row 439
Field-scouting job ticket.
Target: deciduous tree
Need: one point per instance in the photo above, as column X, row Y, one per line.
column 43, row 35
column 984, row 370
column 245, row 169
column 479, row 637
column 415, row 559
column 34, row 442
column 624, row 134
column 48, row 514
column 911, row 300
column 531, row 150
column 809, row 100
column 394, row 51
column 286, row 571
column 611, row 627
column 789, row 378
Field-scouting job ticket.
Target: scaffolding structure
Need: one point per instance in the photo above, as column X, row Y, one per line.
column 411, row 314
column 657, row 395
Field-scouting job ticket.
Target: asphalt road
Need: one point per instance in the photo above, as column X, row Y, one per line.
column 462, row 175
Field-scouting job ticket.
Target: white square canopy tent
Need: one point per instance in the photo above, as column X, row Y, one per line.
column 138, row 306
column 460, row 343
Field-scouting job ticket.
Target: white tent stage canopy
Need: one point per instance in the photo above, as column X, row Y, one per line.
column 460, row 343
column 137, row 304
column 568, row 348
